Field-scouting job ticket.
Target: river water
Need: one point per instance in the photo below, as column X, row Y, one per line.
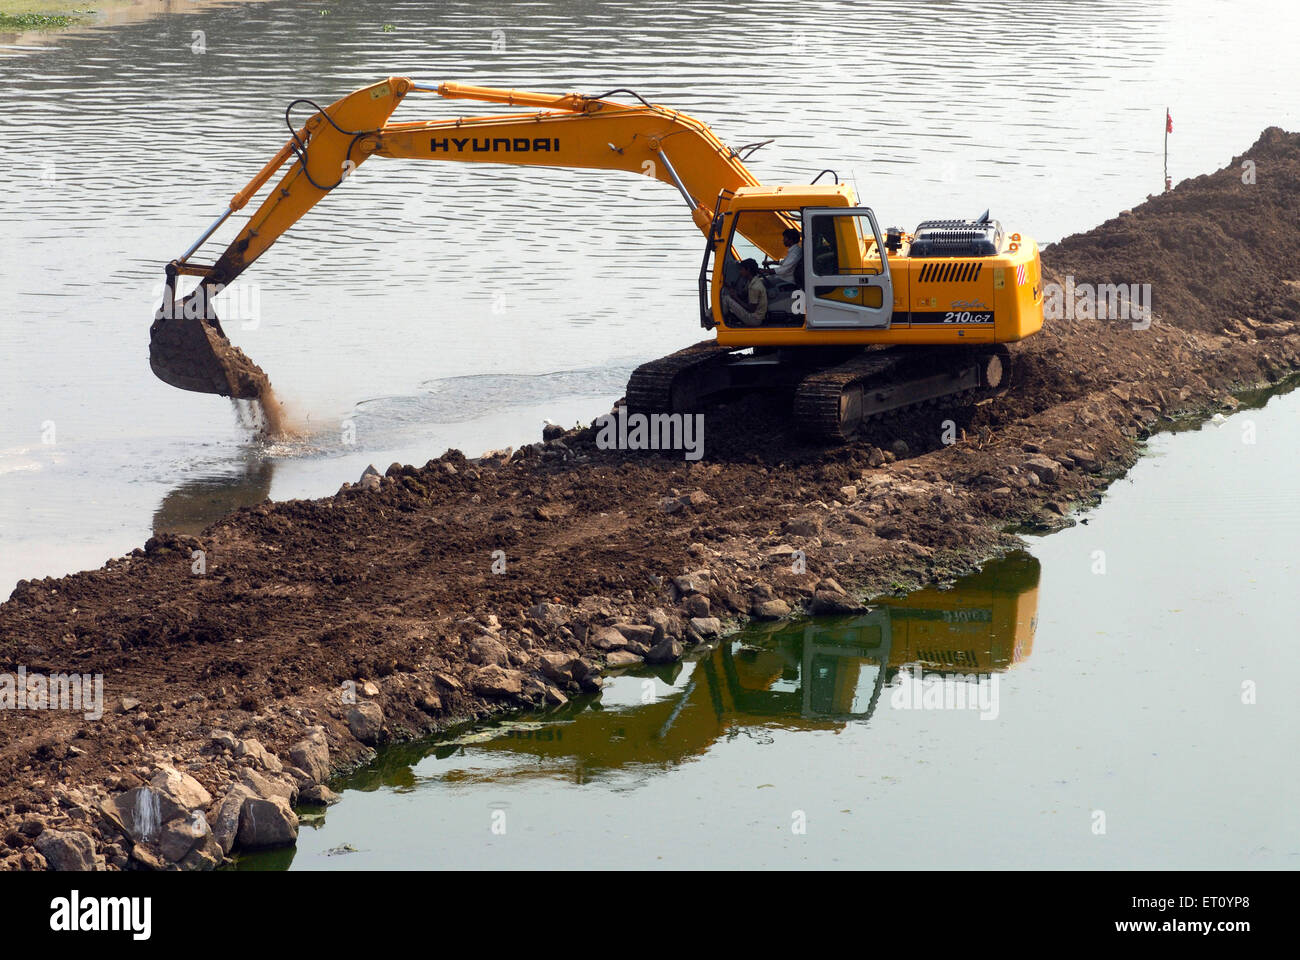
column 1118, row 697
column 425, row 306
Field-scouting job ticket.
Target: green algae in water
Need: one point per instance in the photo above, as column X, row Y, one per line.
column 36, row 21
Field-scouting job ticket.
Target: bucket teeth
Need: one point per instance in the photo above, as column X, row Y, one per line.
column 193, row 353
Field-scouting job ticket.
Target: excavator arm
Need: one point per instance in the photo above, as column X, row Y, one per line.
column 187, row 346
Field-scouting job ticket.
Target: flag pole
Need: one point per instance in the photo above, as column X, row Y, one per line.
column 1166, row 149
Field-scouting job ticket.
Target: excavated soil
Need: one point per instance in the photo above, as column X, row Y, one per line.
column 390, row 584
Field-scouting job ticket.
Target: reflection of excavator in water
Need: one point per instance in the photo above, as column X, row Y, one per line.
column 810, row 675
column 936, row 305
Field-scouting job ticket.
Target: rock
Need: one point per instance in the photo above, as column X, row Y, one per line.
column 641, row 633
column 206, row 854
column 67, row 849
column 319, row 795
column 876, row 458
column 671, row 505
column 429, row 703
column 827, row 603
column 258, row 755
column 180, row 835
column 697, row 605
column 485, row 651
column 545, row 514
column 704, row 627
column 1045, row 469
column 848, row 493
column 829, row 583
column 1085, row 460
column 771, row 609
column 1277, row 329
column 622, row 658
column 180, row 792
column 142, row 812
column 495, row 682
column 266, row 822
column 224, row 740
column 137, row 813
column 268, row 786
column 667, row 650
column 606, row 638
column 663, row 624
column 129, row 704
column 556, row 665
column 549, row 614
column 899, row 448
column 225, row 820
column 552, row 431
column 690, row 583
column 450, row 682
column 366, row 721
column 312, row 754
column 146, row 858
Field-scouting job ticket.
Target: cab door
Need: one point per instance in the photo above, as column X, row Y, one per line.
column 847, row 284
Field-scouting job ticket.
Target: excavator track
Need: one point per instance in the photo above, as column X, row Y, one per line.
column 678, row 382
column 833, row 404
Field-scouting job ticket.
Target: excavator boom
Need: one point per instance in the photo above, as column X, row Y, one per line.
column 187, row 346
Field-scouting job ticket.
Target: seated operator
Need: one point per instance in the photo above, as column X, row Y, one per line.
column 756, row 294
column 788, row 269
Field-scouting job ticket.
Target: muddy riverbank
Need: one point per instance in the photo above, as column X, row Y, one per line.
column 242, row 666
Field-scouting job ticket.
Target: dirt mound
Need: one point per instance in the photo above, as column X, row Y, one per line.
column 1221, row 245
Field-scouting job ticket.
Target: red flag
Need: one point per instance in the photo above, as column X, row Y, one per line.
column 1169, row 122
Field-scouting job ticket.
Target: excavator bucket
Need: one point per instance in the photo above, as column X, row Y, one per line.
column 188, row 349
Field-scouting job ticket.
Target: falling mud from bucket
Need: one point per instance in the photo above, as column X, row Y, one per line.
column 193, row 353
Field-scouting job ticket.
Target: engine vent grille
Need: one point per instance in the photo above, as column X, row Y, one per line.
column 956, row 271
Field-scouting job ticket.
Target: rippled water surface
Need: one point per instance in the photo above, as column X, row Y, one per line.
column 438, row 305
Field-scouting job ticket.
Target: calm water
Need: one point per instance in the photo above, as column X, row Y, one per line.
column 119, row 146
column 1104, row 675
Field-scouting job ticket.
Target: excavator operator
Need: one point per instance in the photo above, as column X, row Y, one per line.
column 755, row 294
column 787, row 269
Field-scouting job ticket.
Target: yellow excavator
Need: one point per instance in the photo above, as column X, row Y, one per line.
column 857, row 322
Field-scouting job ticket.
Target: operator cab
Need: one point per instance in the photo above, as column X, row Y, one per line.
column 843, row 278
